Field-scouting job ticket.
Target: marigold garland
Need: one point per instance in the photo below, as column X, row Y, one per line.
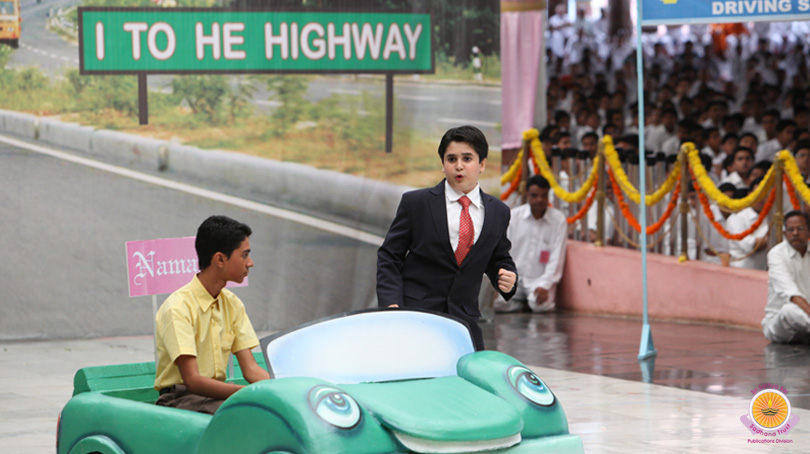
column 794, row 199
column 706, row 183
column 513, row 169
column 651, row 229
column 792, row 171
column 545, row 170
column 514, row 185
column 650, row 199
column 621, row 184
column 704, row 201
column 581, row 213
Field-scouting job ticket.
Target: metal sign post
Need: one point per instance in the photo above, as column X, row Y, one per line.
column 646, row 350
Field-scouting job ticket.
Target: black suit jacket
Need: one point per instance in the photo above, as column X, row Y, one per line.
column 416, row 265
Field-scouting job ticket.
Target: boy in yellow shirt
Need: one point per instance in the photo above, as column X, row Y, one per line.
column 202, row 322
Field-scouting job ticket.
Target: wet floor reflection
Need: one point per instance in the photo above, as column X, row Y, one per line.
column 708, row 358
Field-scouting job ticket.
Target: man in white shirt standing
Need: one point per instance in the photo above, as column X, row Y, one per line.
column 539, row 234
column 787, row 315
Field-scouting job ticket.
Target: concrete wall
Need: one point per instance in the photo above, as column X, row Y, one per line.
column 355, row 201
column 607, row 280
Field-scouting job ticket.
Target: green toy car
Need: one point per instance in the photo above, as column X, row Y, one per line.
column 377, row 381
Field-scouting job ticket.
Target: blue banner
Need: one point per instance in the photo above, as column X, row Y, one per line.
column 656, row 12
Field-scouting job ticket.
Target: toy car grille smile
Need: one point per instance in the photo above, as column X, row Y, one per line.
column 425, row 446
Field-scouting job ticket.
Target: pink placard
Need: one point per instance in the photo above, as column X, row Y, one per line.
column 162, row 266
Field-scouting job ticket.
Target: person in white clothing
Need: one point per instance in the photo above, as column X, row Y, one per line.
column 751, row 251
column 560, row 29
column 664, row 132
column 716, row 251
column 784, row 136
column 539, row 234
column 787, row 314
column 742, row 162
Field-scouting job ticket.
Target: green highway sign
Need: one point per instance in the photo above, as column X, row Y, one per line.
column 197, row 40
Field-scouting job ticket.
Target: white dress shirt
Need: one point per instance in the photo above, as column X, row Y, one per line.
column 593, row 212
column 538, row 246
column 671, row 146
column 767, row 151
column 739, row 222
column 657, row 137
column 788, row 276
column 717, row 241
column 454, row 212
column 735, row 179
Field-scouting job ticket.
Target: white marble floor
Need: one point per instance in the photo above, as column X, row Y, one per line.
column 611, row 415
column 621, row 416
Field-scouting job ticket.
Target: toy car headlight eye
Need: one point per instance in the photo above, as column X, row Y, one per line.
column 529, row 385
column 335, row 407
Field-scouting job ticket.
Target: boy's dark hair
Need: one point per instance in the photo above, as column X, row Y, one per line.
column 559, row 115
column 799, row 213
column 784, row 124
column 545, row 134
column 539, row 181
column 708, row 131
column 801, row 145
column 219, row 234
column 740, row 193
column 755, row 183
column 631, row 139
column 763, row 165
column 559, row 136
column 746, row 134
column 470, row 135
column 744, row 150
column 686, row 124
column 726, row 187
column 590, row 134
column 772, row 113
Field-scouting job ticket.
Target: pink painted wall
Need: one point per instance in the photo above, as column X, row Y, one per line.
column 607, row 280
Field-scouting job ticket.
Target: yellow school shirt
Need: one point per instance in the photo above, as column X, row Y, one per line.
column 192, row 322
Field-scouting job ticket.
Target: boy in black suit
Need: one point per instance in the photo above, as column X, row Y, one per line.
column 443, row 239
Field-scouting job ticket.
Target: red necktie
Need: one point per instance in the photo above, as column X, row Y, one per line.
column 466, row 231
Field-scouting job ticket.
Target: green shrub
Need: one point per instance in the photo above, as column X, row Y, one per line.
column 290, row 91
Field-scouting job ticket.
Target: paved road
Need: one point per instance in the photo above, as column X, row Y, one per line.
column 425, row 107
column 40, row 47
column 63, row 228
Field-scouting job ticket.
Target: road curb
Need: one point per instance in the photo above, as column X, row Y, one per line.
column 351, row 200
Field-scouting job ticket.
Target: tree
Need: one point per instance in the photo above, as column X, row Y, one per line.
column 458, row 25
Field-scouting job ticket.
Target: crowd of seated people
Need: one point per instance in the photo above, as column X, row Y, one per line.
column 740, row 93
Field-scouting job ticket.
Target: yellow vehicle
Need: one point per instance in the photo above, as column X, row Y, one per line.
column 10, row 22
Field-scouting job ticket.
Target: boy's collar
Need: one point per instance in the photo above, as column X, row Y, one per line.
column 453, row 195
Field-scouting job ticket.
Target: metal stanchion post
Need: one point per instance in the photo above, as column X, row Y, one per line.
column 684, row 209
column 556, row 163
column 778, row 214
column 573, row 177
column 600, row 197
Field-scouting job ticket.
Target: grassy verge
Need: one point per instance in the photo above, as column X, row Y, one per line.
column 340, row 133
